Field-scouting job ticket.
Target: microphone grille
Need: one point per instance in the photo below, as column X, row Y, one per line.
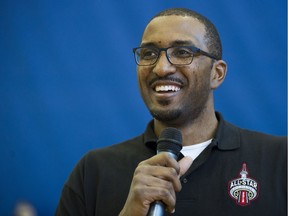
column 170, row 140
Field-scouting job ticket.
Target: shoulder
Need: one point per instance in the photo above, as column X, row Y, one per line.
column 262, row 138
column 131, row 151
column 133, row 145
column 230, row 136
column 230, row 132
column 262, row 143
column 107, row 159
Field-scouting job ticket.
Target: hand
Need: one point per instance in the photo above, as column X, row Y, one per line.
column 155, row 179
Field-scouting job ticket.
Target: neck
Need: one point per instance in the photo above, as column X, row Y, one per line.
column 201, row 129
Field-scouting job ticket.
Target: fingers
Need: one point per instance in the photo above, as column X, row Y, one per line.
column 155, row 179
column 184, row 165
column 161, row 167
column 162, row 159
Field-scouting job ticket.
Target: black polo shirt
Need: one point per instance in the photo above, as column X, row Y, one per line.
column 241, row 173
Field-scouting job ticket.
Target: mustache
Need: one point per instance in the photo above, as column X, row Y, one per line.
column 171, row 79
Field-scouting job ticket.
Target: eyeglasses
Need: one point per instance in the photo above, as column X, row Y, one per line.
column 176, row 55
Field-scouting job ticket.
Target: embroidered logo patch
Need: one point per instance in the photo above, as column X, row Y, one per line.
column 244, row 189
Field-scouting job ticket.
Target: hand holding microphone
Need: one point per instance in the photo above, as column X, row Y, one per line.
column 170, row 142
column 156, row 180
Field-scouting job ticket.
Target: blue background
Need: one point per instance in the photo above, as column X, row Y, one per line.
column 68, row 82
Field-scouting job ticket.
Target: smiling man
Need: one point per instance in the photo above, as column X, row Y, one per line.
column 177, row 82
column 221, row 167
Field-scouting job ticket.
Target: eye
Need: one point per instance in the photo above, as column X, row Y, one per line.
column 181, row 52
column 148, row 53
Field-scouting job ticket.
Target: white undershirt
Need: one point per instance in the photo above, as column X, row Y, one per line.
column 194, row 150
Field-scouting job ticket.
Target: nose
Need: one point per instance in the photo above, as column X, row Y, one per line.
column 163, row 67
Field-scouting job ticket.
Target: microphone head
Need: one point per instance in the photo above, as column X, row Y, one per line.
column 170, row 140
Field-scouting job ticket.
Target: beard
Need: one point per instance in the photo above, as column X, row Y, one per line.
column 177, row 116
column 187, row 112
column 167, row 115
column 188, row 109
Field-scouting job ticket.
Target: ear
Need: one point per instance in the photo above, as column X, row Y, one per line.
column 218, row 74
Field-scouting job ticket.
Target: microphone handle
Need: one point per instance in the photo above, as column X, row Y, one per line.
column 157, row 208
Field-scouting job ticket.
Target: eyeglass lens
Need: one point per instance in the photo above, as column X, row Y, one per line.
column 176, row 55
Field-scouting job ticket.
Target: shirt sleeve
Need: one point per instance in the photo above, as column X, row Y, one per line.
column 72, row 201
column 70, row 204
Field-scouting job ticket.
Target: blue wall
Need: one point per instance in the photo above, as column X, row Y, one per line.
column 68, row 82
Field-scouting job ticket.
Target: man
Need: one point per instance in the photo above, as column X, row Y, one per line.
column 223, row 170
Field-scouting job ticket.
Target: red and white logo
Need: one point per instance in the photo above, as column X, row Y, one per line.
column 244, row 189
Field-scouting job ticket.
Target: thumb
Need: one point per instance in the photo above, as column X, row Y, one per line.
column 184, row 164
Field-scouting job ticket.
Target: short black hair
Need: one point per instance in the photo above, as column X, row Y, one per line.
column 213, row 39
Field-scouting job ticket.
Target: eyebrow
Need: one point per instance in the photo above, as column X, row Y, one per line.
column 182, row 43
column 173, row 43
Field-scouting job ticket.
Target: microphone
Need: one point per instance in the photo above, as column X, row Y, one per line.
column 170, row 141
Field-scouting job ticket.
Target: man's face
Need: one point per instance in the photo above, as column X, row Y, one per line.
column 175, row 94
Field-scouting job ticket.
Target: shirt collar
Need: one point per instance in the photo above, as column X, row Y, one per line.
column 150, row 137
column 227, row 136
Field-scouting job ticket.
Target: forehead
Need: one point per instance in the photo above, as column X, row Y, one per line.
column 165, row 30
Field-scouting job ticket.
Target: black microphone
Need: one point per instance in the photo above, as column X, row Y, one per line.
column 170, row 141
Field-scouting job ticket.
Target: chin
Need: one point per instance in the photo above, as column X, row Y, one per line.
column 166, row 115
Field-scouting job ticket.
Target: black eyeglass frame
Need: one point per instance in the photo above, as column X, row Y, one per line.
column 194, row 50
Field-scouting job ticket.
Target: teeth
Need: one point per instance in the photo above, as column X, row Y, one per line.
column 167, row 88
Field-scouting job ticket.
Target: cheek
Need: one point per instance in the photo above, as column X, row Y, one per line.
column 142, row 74
column 142, row 78
column 192, row 75
column 199, row 77
column 139, row 77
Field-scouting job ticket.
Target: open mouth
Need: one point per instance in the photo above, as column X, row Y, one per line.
column 165, row 85
column 166, row 88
